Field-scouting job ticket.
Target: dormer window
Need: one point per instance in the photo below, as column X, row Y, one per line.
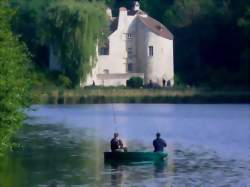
column 129, row 36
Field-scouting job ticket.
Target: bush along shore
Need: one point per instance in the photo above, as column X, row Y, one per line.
column 98, row 95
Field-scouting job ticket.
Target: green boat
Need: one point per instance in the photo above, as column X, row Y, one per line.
column 134, row 156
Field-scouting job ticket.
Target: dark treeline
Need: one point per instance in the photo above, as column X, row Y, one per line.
column 211, row 36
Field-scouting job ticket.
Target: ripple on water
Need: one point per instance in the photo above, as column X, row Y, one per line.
column 208, row 168
column 63, row 146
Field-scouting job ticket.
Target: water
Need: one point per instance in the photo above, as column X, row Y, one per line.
column 208, row 145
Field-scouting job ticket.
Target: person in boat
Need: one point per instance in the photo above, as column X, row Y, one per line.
column 159, row 143
column 117, row 144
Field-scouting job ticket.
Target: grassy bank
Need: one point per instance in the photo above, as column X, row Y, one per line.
column 124, row 95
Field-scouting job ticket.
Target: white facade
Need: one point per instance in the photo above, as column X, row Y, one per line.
column 137, row 46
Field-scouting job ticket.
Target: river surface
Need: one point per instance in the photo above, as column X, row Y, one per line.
column 63, row 145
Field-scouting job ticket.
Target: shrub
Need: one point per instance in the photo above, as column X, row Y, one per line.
column 14, row 81
column 64, row 81
column 135, row 82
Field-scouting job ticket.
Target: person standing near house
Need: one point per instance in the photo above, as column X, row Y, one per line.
column 163, row 83
column 159, row 143
column 150, row 84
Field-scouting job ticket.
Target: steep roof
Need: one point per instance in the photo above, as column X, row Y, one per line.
column 152, row 24
column 156, row 27
column 136, row 12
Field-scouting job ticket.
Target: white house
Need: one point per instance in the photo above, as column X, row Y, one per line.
column 138, row 45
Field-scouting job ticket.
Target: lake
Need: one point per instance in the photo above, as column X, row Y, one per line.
column 63, row 145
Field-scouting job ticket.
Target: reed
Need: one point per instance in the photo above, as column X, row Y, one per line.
column 125, row 95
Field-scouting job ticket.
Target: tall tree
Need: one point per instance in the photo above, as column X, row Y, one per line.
column 70, row 27
column 208, row 42
column 75, row 27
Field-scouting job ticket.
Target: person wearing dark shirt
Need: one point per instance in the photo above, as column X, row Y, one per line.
column 116, row 144
column 163, row 83
column 159, row 143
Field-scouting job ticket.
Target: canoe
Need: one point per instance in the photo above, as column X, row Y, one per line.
column 134, row 156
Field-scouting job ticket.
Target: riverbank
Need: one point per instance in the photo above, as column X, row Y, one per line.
column 98, row 95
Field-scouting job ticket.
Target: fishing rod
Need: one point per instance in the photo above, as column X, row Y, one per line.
column 114, row 114
column 114, row 117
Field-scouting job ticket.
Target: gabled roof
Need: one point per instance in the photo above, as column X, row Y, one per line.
column 152, row 24
column 136, row 12
column 156, row 27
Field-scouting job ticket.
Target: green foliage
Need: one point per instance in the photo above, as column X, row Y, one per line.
column 156, row 8
column 64, row 81
column 135, row 82
column 184, row 12
column 210, row 48
column 75, row 27
column 244, row 23
column 211, row 36
column 70, row 27
column 14, row 82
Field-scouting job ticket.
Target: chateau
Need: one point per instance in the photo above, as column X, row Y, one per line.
column 138, row 46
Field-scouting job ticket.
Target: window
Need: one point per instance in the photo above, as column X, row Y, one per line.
column 130, row 67
column 150, row 51
column 104, row 51
column 129, row 36
column 104, row 48
column 130, row 52
column 106, row 71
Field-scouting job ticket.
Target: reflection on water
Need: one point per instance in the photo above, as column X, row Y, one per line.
column 64, row 145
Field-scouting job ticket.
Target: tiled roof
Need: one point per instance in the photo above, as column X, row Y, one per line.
column 152, row 24
column 156, row 27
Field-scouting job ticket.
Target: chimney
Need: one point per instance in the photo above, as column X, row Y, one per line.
column 122, row 17
column 122, row 9
column 136, row 6
column 109, row 13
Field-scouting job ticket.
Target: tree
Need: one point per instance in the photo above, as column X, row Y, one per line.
column 156, row 8
column 244, row 24
column 75, row 27
column 70, row 27
column 208, row 41
column 134, row 82
column 14, row 81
